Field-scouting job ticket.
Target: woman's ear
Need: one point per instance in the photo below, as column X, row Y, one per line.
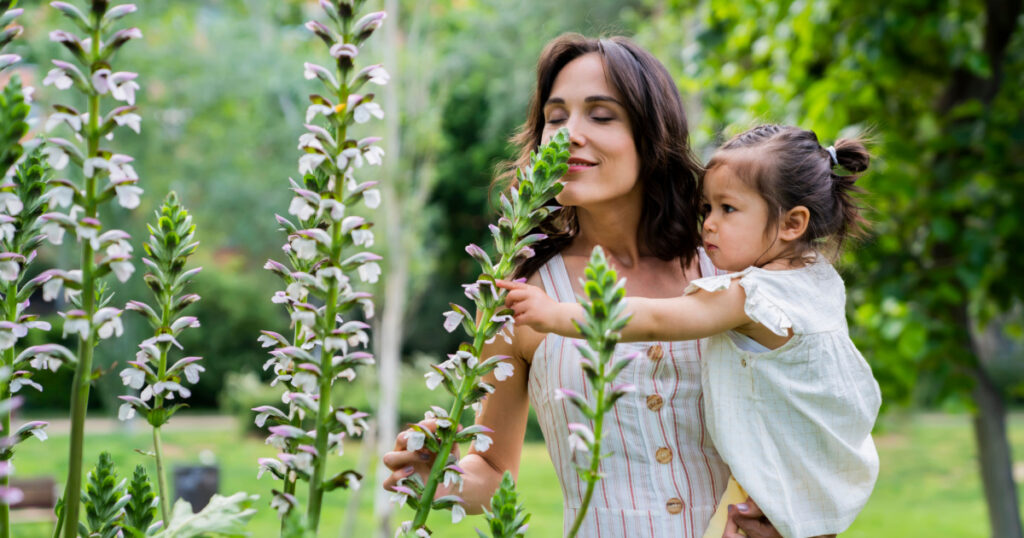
column 794, row 223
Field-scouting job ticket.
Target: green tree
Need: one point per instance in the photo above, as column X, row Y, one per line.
column 938, row 84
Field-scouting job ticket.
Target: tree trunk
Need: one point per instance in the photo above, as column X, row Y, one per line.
column 396, row 280
column 994, row 458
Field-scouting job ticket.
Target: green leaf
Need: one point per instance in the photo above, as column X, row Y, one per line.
column 223, row 516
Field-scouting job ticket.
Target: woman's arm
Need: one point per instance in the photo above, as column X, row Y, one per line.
column 687, row 317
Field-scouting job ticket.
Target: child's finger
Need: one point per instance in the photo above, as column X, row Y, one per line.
column 509, row 284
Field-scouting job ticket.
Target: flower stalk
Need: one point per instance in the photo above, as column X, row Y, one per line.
column 21, row 205
column 171, row 242
column 521, row 210
column 604, row 304
column 90, row 73
column 326, row 252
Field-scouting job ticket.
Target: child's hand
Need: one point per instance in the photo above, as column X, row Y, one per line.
column 533, row 308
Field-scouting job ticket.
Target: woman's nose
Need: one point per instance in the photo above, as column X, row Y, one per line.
column 577, row 136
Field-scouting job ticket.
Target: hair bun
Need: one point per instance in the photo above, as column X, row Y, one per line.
column 851, row 155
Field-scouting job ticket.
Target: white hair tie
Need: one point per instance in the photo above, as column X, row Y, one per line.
column 832, row 153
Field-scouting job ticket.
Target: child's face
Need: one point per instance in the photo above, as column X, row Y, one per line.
column 735, row 223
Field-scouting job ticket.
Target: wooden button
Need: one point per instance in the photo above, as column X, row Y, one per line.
column 655, row 352
column 674, row 505
column 655, row 402
column 663, row 455
column 743, row 363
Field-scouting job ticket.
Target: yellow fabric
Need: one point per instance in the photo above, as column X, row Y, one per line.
column 734, row 494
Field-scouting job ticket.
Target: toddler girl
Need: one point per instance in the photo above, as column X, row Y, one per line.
column 789, row 401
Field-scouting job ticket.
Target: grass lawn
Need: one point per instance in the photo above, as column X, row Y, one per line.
column 929, row 479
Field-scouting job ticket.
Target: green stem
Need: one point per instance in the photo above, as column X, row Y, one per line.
column 11, row 308
column 455, row 415
column 595, row 461
column 83, row 371
column 323, row 416
column 165, row 512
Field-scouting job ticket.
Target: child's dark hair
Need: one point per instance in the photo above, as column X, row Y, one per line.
column 789, row 168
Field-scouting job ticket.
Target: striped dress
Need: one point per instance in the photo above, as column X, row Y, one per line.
column 664, row 476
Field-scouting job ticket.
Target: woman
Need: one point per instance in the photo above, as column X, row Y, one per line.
column 631, row 188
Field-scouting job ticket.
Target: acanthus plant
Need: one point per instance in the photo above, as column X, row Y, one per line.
column 105, row 176
column 171, row 242
column 326, row 244
column 522, row 208
column 604, row 317
column 21, row 204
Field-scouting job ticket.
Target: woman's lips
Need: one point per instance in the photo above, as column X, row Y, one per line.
column 577, row 164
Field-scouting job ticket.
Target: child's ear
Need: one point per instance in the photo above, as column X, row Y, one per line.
column 794, row 223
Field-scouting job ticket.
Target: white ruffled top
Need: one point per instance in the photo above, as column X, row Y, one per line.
column 794, row 423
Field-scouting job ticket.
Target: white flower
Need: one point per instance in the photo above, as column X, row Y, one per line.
column 10, row 203
column 452, row 478
column 378, row 75
column 281, row 504
column 300, row 207
column 353, row 155
column 9, row 270
column 452, row 319
column 296, row 291
column 169, row 387
column 51, row 288
column 192, row 372
column 132, row 121
column 7, row 231
column 374, row 155
column 414, row 440
column 372, row 198
column 334, row 208
column 55, row 119
column 458, row 512
column 365, row 111
column 304, row 248
column 77, row 325
column 305, row 381
column 108, row 321
column 56, row 157
column 576, row 443
column 504, row 371
column 54, row 234
column 362, row 237
column 7, row 340
column 310, row 162
column 44, row 361
column 60, row 195
column 482, row 442
column 133, row 377
column 433, row 379
column 368, row 272
column 58, row 78
column 16, row 385
column 123, row 86
column 128, row 196
column 122, row 269
column 313, row 110
column 125, row 412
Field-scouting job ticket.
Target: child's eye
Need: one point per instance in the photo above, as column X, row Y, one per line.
column 728, row 208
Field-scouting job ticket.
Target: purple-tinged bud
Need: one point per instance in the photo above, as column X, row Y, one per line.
column 365, row 26
column 321, row 31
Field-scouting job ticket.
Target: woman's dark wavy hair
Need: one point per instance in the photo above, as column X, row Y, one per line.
column 669, row 171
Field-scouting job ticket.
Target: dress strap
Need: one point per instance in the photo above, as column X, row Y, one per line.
column 556, row 280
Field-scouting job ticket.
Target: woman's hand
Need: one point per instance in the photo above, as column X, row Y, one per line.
column 748, row 518
column 404, row 462
column 532, row 307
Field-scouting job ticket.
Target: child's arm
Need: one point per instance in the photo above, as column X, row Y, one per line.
column 678, row 318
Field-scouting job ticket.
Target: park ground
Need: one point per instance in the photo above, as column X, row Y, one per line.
column 928, row 480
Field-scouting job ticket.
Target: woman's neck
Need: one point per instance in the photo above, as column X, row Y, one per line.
column 615, row 230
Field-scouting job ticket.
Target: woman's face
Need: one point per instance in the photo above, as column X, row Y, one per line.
column 604, row 164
